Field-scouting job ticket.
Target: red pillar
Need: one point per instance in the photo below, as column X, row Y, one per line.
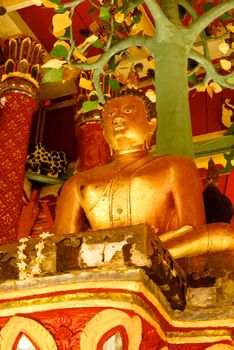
column 92, row 148
column 19, row 91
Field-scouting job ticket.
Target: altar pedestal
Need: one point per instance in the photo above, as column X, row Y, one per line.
column 83, row 293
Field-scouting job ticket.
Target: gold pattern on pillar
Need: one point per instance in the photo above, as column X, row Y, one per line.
column 19, row 83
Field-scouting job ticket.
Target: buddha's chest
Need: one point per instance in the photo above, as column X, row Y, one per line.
column 123, row 200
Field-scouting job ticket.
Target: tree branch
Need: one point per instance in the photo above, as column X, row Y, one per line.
column 120, row 46
column 186, row 5
column 204, row 20
column 99, row 65
column 157, row 13
column 171, row 10
column 210, row 70
column 205, row 81
column 96, row 82
column 72, row 4
column 93, row 4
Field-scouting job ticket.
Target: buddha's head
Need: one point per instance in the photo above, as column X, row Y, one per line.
column 129, row 121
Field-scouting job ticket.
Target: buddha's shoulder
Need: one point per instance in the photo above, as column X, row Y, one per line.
column 173, row 161
column 74, row 181
column 83, row 177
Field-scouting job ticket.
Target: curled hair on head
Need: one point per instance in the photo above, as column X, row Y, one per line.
column 149, row 106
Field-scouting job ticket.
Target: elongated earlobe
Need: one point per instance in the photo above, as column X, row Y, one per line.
column 152, row 125
column 151, row 129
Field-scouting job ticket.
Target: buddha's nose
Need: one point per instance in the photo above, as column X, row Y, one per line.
column 118, row 120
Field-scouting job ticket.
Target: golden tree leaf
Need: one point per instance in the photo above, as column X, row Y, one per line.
column 230, row 27
column 54, row 63
column 81, row 45
column 224, row 47
column 59, row 33
column 70, row 73
column 225, row 64
column 119, row 17
column 210, row 91
column 151, row 95
column 215, row 87
column 79, row 56
column 134, row 30
column 91, row 39
column 93, row 26
column 61, row 21
column 86, row 84
column 49, row 4
column 63, row 43
column 119, row 76
column 202, row 88
column 37, row 2
column 128, row 21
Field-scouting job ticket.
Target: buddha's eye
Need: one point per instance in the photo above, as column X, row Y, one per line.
column 129, row 110
column 110, row 114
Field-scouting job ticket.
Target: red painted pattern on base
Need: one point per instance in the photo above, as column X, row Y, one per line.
column 67, row 325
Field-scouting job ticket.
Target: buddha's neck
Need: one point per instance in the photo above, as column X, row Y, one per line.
column 136, row 151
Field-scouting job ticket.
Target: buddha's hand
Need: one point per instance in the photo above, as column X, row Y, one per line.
column 167, row 236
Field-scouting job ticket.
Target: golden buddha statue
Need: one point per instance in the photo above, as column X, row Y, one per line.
column 164, row 191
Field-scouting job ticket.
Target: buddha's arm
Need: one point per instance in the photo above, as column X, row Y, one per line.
column 69, row 213
column 206, row 239
column 187, row 193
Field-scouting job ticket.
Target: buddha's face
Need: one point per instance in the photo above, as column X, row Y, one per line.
column 125, row 122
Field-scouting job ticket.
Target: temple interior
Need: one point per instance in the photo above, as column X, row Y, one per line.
column 116, row 175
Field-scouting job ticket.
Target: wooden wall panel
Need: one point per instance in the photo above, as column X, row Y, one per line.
column 198, row 103
column 214, row 112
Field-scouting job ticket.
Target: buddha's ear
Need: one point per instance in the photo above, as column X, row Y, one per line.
column 152, row 125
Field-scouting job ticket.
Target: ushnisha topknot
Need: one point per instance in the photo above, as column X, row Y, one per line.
column 149, row 106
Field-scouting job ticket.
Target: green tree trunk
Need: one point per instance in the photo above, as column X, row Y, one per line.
column 174, row 133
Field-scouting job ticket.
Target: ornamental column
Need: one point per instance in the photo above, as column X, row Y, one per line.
column 19, row 85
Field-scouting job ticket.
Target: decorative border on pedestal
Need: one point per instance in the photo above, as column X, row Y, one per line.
column 106, row 320
column 37, row 333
